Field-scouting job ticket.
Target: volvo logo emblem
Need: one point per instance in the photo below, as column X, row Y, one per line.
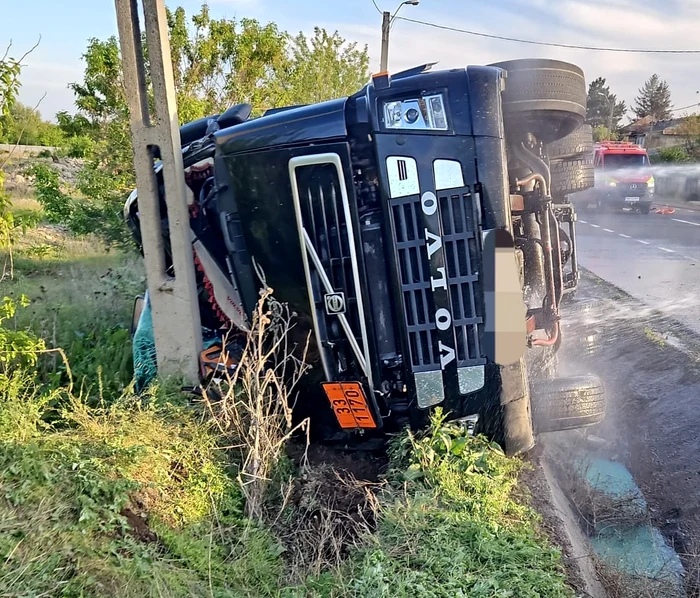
column 335, row 303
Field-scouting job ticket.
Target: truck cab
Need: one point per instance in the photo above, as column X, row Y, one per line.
column 623, row 178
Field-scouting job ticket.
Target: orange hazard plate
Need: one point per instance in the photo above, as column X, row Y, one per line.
column 349, row 405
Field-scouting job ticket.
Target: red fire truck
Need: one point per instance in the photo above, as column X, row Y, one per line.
column 623, row 178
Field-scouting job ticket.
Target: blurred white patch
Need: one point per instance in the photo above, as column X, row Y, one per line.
column 403, row 176
column 448, row 174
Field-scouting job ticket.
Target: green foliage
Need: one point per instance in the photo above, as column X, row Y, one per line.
column 18, row 348
column 73, row 504
column 24, row 125
column 82, row 303
column 24, row 406
column 10, row 70
column 221, row 62
column 451, row 527
column 58, row 207
column 602, row 107
column 99, row 214
column 689, row 129
column 79, row 146
column 672, row 155
column 101, row 95
column 653, row 99
column 471, row 473
column 9, row 83
column 74, row 125
column 105, row 184
column 324, row 67
column 602, row 133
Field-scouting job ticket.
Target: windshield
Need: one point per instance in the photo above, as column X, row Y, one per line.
column 615, row 161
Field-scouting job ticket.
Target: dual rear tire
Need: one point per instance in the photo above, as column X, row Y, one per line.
column 547, row 98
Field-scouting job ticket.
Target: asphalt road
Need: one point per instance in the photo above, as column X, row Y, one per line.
column 655, row 258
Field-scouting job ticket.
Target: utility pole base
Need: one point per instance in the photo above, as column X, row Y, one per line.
column 173, row 294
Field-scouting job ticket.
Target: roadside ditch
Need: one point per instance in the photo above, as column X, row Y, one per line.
column 632, row 483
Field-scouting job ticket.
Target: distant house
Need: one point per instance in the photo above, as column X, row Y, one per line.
column 653, row 135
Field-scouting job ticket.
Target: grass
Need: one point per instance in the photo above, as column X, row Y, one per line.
column 106, row 493
column 450, row 526
column 655, row 337
column 81, row 297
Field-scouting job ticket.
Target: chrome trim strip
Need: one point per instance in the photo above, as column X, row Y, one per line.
column 332, row 158
column 293, row 164
column 329, row 289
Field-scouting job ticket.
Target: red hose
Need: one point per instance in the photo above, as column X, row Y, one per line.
column 548, row 342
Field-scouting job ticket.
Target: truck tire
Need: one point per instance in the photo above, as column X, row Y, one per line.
column 544, row 97
column 567, row 403
column 572, row 175
column 577, row 144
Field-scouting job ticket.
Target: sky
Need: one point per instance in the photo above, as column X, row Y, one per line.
column 66, row 26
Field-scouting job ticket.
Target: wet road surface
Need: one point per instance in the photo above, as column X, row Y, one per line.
column 655, row 258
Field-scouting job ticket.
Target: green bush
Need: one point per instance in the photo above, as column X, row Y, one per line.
column 672, row 155
column 602, row 133
column 449, row 526
column 58, row 207
column 84, row 503
column 79, row 146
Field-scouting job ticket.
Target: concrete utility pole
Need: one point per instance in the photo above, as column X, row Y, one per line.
column 387, row 20
column 176, row 321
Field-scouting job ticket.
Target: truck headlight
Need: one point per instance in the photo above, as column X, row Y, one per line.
column 612, row 184
column 426, row 113
column 650, row 183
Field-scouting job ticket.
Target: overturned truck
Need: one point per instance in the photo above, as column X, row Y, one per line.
column 369, row 215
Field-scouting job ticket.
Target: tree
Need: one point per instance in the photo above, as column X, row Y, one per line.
column 603, row 109
column 9, row 84
column 24, row 125
column 74, row 125
column 101, row 96
column 324, row 67
column 654, row 100
column 602, row 133
column 689, row 129
column 221, row 62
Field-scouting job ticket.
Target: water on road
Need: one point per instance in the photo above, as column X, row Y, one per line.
column 655, row 258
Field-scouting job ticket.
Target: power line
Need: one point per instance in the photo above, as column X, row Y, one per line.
column 375, row 6
column 535, row 43
column 684, row 107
